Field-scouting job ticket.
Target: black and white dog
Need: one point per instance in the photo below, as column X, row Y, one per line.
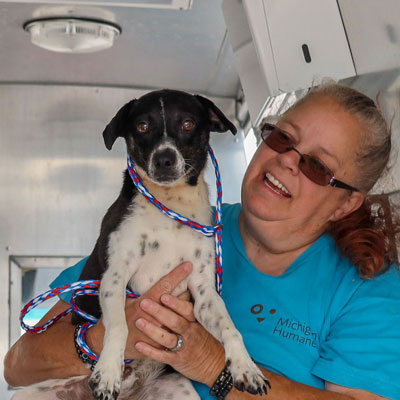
column 167, row 135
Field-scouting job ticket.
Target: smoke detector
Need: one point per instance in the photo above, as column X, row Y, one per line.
column 72, row 34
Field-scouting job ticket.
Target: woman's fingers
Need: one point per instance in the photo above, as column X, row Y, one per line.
column 181, row 307
column 134, row 312
column 159, row 335
column 169, row 282
column 198, row 358
column 166, row 317
column 156, row 354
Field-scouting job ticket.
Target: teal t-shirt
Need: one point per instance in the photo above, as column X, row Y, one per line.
column 317, row 322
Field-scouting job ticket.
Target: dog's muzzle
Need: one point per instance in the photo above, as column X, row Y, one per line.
column 167, row 166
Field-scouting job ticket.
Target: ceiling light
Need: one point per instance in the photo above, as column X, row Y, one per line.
column 71, row 34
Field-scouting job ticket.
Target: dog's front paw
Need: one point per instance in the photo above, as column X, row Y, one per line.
column 105, row 382
column 247, row 377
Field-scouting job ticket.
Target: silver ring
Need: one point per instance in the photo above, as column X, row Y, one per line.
column 179, row 344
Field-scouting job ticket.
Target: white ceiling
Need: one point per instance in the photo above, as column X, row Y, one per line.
column 185, row 50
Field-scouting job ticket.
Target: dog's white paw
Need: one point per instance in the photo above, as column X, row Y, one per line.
column 247, row 377
column 105, row 381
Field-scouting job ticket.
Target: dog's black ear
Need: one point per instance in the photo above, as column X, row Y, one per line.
column 219, row 123
column 118, row 126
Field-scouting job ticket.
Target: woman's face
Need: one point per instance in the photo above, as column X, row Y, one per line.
column 318, row 127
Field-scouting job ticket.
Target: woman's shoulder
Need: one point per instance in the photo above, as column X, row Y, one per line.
column 360, row 301
column 389, row 279
column 383, row 286
column 340, row 280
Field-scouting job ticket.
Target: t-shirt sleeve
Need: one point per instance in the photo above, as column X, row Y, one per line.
column 362, row 349
column 68, row 276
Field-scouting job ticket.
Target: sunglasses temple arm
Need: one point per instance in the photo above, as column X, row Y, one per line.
column 335, row 183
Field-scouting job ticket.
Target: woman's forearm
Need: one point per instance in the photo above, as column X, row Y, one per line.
column 48, row 355
column 285, row 389
column 281, row 388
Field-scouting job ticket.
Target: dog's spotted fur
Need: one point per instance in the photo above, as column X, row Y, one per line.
column 138, row 245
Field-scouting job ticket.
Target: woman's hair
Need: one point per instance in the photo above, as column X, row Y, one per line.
column 368, row 235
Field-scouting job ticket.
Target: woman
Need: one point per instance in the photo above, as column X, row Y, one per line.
column 307, row 275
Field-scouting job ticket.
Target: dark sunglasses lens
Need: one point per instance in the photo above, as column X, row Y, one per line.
column 276, row 139
column 280, row 142
column 315, row 171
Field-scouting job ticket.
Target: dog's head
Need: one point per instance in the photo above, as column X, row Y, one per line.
column 167, row 133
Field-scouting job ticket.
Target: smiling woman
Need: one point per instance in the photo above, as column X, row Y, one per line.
column 344, row 136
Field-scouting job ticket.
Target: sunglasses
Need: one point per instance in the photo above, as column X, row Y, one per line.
column 280, row 141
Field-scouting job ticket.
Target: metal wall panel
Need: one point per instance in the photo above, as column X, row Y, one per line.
column 58, row 179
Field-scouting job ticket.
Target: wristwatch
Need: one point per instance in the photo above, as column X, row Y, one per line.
column 223, row 385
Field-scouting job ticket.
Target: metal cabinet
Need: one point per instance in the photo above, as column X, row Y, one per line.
column 308, row 41
column 373, row 31
column 295, row 42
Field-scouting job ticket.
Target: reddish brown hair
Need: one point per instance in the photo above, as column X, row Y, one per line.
column 368, row 236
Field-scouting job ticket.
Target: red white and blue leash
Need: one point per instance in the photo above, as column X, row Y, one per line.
column 204, row 229
column 88, row 287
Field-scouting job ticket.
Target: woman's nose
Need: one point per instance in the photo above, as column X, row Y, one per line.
column 290, row 159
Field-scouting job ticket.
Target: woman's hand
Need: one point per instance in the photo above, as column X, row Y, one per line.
column 133, row 312
column 201, row 357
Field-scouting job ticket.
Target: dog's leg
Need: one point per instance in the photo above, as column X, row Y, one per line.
column 105, row 380
column 211, row 312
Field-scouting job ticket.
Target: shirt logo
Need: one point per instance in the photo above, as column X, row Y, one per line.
column 259, row 308
column 296, row 331
column 289, row 329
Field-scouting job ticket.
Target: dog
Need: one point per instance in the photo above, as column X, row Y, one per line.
column 167, row 136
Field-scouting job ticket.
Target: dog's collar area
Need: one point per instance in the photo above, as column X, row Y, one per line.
column 204, row 229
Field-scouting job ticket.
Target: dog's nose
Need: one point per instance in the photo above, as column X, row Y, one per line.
column 165, row 159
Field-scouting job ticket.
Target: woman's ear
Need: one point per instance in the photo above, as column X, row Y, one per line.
column 351, row 204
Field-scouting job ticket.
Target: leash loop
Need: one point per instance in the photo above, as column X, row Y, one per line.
column 79, row 288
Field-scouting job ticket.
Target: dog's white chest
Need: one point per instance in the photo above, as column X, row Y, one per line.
column 148, row 244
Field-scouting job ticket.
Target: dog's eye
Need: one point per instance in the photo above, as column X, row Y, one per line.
column 187, row 125
column 142, row 127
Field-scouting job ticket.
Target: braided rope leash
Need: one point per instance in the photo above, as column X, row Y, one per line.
column 79, row 288
column 88, row 287
column 204, row 229
column 48, row 295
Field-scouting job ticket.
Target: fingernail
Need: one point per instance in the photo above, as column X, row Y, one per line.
column 140, row 323
column 165, row 298
column 187, row 267
column 145, row 304
column 139, row 346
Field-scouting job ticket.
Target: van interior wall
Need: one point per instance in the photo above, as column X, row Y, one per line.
column 58, row 179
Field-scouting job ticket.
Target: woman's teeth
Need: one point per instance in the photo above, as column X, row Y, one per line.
column 276, row 183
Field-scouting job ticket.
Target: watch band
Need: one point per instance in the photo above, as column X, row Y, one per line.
column 223, row 385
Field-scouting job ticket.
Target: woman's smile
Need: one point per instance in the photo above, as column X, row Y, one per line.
column 272, row 183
